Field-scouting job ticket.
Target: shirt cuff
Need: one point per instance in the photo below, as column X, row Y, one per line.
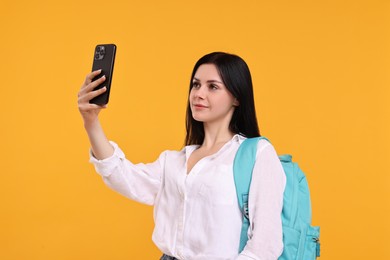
column 105, row 167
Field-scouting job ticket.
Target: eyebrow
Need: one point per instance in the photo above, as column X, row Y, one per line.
column 210, row 81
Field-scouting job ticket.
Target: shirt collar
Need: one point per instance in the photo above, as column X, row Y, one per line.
column 238, row 138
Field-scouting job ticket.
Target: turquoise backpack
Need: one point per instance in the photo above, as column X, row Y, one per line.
column 300, row 239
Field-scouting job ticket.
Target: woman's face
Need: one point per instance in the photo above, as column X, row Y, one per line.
column 210, row 100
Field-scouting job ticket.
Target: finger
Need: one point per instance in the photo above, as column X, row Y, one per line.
column 86, row 97
column 95, row 106
column 91, row 76
column 90, row 107
column 95, row 83
column 91, row 86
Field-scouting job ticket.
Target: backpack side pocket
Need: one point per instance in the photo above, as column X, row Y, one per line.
column 309, row 245
column 312, row 250
column 291, row 238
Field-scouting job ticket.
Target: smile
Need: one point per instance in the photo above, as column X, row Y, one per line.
column 199, row 106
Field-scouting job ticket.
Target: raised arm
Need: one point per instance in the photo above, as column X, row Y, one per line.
column 101, row 148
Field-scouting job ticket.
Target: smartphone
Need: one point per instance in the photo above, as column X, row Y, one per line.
column 104, row 59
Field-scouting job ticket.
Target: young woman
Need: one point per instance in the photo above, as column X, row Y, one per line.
column 196, row 211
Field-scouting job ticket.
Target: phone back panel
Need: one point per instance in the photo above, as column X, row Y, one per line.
column 104, row 59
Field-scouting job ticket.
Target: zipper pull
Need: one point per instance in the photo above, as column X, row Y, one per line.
column 318, row 246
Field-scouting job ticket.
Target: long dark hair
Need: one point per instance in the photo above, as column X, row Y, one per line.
column 236, row 76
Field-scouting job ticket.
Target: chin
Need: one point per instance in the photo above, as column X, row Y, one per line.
column 198, row 118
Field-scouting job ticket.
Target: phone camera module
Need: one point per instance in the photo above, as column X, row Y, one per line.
column 99, row 52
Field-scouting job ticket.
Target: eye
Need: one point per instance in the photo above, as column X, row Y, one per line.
column 195, row 84
column 213, row 87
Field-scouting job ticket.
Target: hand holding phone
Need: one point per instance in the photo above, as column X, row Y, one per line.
column 104, row 59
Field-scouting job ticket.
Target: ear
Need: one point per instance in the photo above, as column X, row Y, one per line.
column 236, row 103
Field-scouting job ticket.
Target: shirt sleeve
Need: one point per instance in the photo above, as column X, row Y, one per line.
column 265, row 206
column 140, row 182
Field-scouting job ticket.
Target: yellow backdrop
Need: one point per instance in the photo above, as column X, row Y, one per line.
column 321, row 76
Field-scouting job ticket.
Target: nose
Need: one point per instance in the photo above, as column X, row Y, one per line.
column 199, row 92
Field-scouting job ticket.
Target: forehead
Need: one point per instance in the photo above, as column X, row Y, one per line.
column 207, row 72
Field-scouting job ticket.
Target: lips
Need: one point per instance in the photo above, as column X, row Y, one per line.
column 200, row 106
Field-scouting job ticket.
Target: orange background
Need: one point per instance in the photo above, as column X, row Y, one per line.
column 321, row 77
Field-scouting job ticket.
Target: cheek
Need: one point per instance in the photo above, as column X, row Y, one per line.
column 226, row 100
column 191, row 95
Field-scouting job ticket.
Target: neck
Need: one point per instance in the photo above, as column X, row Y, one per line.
column 215, row 135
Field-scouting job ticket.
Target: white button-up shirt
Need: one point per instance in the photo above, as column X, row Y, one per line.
column 197, row 214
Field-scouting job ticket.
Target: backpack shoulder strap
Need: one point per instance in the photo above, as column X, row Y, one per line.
column 244, row 162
